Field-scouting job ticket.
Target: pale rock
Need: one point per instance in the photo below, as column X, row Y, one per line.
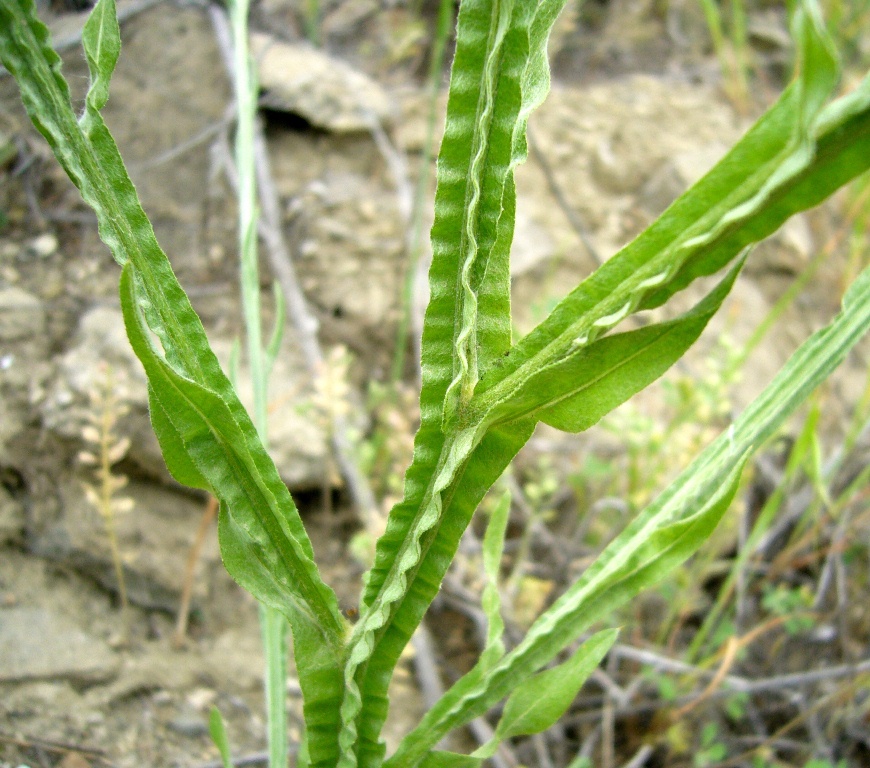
column 42, row 246
column 613, row 167
column 189, row 723
column 36, row 644
column 22, row 315
column 11, row 424
column 100, row 348
column 676, row 174
column 237, row 655
column 532, row 243
column 325, row 91
column 344, row 21
column 154, row 539
column 768, row 29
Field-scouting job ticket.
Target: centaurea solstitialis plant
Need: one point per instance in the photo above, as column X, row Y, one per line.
column 482, row 394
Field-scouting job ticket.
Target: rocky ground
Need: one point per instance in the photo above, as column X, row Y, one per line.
column 636, row 114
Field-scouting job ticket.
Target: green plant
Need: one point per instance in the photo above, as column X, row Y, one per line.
column 712, row 750
column 273, row 627
column 481, row 395
column 731, row 50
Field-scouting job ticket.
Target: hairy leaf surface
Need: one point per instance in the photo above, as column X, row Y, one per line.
column 660, row 538
column 574, row 393
column 794, row 157
column 538, row 702
column 199, row 413
column 766, row 168
column 499, row 75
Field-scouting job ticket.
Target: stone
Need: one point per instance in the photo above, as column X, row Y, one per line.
column 100, row 349
column 42, row 246
column 532, row 244
column 36, row 644
column 187, row 89
column 154, row 539
column 22, row 316
column 324, row 90
column 11, row 424
column 189, row 723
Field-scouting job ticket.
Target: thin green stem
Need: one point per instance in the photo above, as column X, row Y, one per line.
column 246, row 101
column 273, row 626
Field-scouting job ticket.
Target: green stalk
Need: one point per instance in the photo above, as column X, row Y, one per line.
column 245, row 87
column 273, row 626
column 436, row 67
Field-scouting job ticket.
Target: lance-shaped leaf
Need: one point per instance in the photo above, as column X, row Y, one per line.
column 660, row 538
column 482, row 469
column 538, row 702
column 641, row 562
column 499, row 74
column 790, row 160
column 219, row 451
column 575, row 392
column 450, row 760
column 758, row 156
column 493, row 548
column 219, row 736
column 220, row 440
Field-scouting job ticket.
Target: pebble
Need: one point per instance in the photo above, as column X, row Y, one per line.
column 42, row 246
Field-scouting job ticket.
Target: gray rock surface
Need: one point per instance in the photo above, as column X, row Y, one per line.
column 154, row 538
column 21, row 315
column 326, row 91
column 100, row 349
column 38, row 644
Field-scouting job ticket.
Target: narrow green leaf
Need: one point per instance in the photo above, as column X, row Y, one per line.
column 577, row 391
column 522, row 81
column 493, row 547
column 475, row 211
column 661, row 537
column 450, row 760
column 483, row 468
column 219, row 736
column 634, row 278
column 630, row 563
column 537, row 703
column 790, row 160
column 258, row 514
column 101, row 39
column 222, row 455
column 493, row 539
column 178, row 461
column 274, row 346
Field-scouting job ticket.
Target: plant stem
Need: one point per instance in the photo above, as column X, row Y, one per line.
column 272, row 624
